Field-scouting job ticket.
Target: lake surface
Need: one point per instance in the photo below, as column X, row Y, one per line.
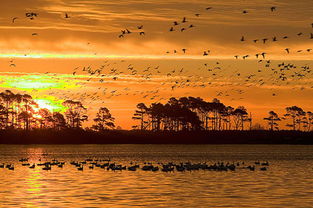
column 288, row 182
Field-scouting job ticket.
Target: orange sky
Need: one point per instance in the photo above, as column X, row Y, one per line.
column 50, row 48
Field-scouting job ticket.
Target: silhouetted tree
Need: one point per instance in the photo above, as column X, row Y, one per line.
column 240, row 116
column 104, row 120
column 310, row 120
column 272, row 120
column 75, row 113
column 58, row 121
column 140, row 115
column 45, row 118
column 295, row 113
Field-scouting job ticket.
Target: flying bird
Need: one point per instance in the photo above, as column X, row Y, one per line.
column 13, row 20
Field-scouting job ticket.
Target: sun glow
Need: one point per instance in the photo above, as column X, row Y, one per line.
column 51, row 105
column 35, row 82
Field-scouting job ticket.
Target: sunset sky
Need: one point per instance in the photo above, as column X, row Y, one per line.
column 39, row 56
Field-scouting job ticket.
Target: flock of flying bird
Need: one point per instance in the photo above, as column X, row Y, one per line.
column 213, row 74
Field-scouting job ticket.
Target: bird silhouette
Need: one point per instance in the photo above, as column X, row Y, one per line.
column 13, row 20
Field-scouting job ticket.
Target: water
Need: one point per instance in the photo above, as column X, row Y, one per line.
column 287, row 183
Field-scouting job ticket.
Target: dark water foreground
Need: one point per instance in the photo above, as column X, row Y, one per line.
column 287, row 182
column 148, row 137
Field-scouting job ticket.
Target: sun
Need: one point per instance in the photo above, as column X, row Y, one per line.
column 50, row 104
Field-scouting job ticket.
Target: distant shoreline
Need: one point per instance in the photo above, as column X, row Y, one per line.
column 77, row 136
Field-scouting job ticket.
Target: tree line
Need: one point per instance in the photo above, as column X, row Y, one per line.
column 194, row 113
column 20, row 111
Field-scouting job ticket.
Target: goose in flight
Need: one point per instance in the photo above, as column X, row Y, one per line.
column 140, row 27
column 13, row 20
column 31, row 15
